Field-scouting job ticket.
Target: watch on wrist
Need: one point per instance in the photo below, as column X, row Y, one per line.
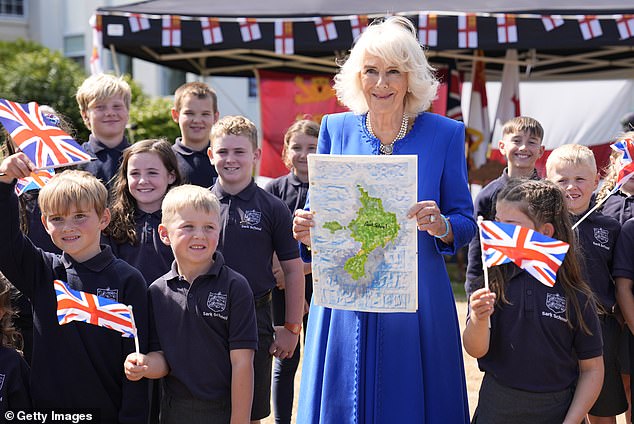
column 293, row 328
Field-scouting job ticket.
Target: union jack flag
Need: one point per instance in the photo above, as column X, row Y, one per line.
column 626, row 165
column 73, row 305
column 534, row 252
column 38, row 137
column 35, row 181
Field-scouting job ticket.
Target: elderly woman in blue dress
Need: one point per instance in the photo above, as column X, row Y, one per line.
column 364, row 367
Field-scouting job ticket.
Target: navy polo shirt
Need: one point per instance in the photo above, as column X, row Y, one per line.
column 76, row 365
column 290, row 189
column 254, row 225
column 14, row 381
column 194, row 165
column 150, row 255
column 597, row 236
column 623, row 265
column 619, row 206
column 484, row 205
column 106, row 165
column 196, row 326
column 532, row 347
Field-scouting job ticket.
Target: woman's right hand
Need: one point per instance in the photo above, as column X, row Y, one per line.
column 15, row 166
column 302, row 223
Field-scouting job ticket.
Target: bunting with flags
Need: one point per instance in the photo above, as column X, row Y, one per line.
column 552, row 21
column 478, row 127
column 46, row 145
column 358, row 24
column 74, row 305
column 625, row 25
column 249, row 29
column 171, row 31
column 428, row 29
column 467, row 31
column 284, row 37
column 326, row 29
column 507, row 29
column 212, row 33
column 590, row 27
column 540, row 255
column 138, row 22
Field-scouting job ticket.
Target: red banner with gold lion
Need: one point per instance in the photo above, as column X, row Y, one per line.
column 284, row 99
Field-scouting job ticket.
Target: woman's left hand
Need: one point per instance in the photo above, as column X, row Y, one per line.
column 428, row 218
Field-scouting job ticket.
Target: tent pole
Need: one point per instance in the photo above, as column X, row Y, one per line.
column 115, row 60
column 256, row 74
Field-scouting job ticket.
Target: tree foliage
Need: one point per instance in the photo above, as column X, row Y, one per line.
column 150, row 118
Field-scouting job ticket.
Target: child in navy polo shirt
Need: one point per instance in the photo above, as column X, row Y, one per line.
column 542, row 353
column 299, row 141
column 204, row 331
column 76, row 365
column 521, row 144
column 573, row 168
column 104, row 104
column 255, row 225
column 148, row 170
column 14, row 371
column 195, row 111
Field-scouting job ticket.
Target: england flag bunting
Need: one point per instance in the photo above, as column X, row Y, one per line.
column 138, row 23
column 284, row 37
column 358, row 24
column 428, row 29
column 97, row 37
column 171, row 31
column 552, row 21
column 507, row 29
column 467, row 31
column 212, row 33
column 625, row 24
column 249, row 29
column 326, row 29
column 590, row 27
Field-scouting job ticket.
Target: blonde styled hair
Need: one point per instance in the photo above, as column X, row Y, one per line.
column 188, row 195
column 523, row 124
column 572, row 154
column 306, row 127
column 235, row 125
column 198, row 89
column 394, row 41
column 73, row 188
column 100, row 87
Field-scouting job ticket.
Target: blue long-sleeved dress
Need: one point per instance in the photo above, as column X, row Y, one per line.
column 380, row 368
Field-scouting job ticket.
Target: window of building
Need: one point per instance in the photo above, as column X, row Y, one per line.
column 74, row 48
column 12, row 8
column 172, row 79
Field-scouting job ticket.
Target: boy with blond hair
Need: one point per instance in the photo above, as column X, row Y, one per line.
column 195, row 111
column 104, row 104
column 521, row 145
column 75, row 365
column 195, row 325
column 256, row 225
column 573, row 167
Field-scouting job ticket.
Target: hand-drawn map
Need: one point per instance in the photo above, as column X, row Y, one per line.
column 364, row 248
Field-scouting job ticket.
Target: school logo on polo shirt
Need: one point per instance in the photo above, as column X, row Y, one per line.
column 251, row 219
column 112, row 294
column 556, row 303
column 601, row 235
column 217, row 302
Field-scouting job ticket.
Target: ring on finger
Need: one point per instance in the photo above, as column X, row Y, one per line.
column 432, row 219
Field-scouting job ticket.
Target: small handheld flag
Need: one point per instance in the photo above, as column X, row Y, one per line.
column 534, row 252
column 73, row 305
column 35, row 181
column 626, row 163
column 38, row 136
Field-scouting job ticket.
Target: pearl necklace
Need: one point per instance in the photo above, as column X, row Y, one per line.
column 387, row 149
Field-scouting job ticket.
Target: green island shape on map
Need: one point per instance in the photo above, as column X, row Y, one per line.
column 373, row 227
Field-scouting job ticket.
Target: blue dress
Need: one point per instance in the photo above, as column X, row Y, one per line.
column 383, row 368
